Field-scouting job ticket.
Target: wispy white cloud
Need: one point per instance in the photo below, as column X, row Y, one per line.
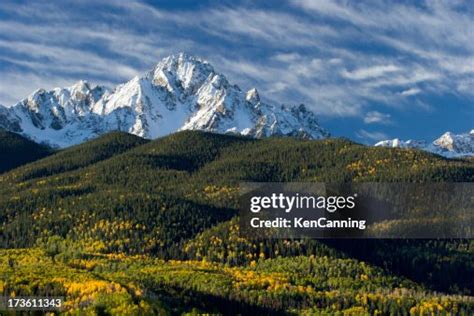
column 409, row 92
column 287, row 57
column 434, row 23
column 436, row 35
column 370, row 72
column 65, row 59
column 272, row 27
column 375, row 117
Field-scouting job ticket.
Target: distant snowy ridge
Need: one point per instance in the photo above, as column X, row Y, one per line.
column 448, row 145
column 182, row 92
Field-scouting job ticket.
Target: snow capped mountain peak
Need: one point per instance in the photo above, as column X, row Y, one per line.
column 181, row 72
column 455, row 144
column 174, row 62
column 448, row 144
column 446, row 141
column 81, row 86
column 181, row 92
column 252, row 96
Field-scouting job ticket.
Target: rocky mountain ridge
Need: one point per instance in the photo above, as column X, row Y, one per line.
column 449, row 144
column 181, row 92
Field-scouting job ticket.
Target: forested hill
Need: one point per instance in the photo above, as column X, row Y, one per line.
column 171, row 188
column 176, row 198
column 79, row 156
column 16, row 150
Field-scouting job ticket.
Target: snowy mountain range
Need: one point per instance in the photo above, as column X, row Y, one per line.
column 182, row 92
column 448, row 145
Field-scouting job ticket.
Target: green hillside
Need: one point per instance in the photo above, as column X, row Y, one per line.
column 78, row 156
column 16, row 150
column 175, row 198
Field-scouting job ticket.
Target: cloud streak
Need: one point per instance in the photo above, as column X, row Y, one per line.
column 370, row 72
column 375, row 117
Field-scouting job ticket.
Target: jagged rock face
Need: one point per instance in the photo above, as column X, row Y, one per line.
column 252, row 96
column 448, row 145
column 181, row 93
column 60, row 117
column 59, row 107
column 9, row 121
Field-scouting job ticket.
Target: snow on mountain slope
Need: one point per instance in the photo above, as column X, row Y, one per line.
column 182, row 92
column 8, row 120
column 398, row 143
column 448, row 145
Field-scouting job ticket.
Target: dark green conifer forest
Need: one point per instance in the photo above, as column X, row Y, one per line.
column 123, row 225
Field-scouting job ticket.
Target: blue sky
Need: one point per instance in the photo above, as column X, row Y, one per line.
column 371, row 70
